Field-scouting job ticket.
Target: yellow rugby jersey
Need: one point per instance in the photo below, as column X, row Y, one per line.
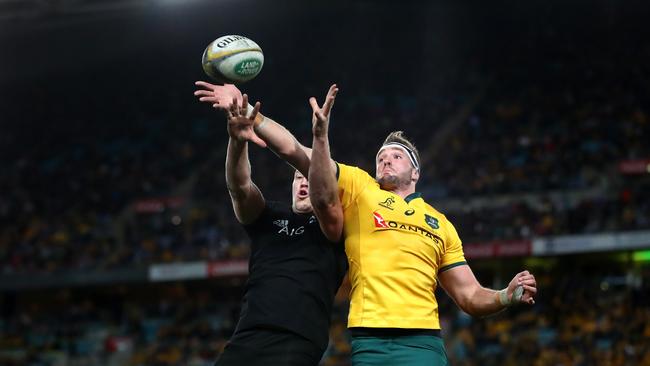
column 395, row 248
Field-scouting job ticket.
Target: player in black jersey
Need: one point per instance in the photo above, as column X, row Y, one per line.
column 294, row 269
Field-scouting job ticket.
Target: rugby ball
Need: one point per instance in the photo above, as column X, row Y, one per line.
column 232, row 59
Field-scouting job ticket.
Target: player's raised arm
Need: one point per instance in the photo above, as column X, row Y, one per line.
column 276, row 137
column 323, row 189
column 247, row 200
column 476, row 300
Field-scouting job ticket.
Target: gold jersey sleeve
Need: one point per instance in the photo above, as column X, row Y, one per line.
column 352, row 181
column 454, row 254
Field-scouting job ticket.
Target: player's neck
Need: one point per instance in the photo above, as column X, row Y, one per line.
column 404, row 191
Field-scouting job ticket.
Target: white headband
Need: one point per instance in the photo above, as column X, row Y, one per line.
column 407, row 151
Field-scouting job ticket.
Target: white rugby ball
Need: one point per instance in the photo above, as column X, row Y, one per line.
column 232, row 59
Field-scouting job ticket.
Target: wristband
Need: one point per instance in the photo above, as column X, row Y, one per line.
column 249, row 110
column 259, row 121
column 516, row 296
column 502, row 295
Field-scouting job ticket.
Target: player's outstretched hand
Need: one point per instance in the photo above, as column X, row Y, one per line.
column 321, row 116
column 522, row 288
column 240, row 126
column 220, row 96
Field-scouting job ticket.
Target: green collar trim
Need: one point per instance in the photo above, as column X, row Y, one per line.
column 412, row 196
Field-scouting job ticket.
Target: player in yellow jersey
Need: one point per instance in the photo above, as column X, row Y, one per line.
column 399, row 248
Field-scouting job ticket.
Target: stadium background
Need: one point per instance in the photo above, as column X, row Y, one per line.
column 117, row 241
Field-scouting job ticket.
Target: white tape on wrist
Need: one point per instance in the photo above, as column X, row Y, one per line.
column 518, row 294
column 514, row 299
column 257, row 127
column 249, row 110
column 503, row 297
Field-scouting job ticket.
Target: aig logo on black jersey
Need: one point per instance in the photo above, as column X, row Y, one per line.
column 284, row 228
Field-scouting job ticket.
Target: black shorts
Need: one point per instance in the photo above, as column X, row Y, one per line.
column 266, row 347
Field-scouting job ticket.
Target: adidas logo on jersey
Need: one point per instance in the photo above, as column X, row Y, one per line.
column 281, row 223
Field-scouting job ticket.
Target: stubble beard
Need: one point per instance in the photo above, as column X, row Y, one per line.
column 392, row 182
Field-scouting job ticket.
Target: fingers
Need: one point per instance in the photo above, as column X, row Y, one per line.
column 256, row 110
column 208, row 96
column 526, row 279
column 329, row 99
column 523, row 276
column 257, row 141
column 528, row 299
column 320, row 115
column 244, row 102
column 203, row 92
column 204, row 84
column 522, row 273
column 314, row 104
column 233, row 109
column 532, row 290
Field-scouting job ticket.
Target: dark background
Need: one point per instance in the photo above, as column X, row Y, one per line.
column 522, row 112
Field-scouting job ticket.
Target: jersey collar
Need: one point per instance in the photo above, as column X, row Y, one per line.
column 412, row 196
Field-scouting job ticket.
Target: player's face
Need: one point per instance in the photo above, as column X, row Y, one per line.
column 300, row 193
column 394, row 169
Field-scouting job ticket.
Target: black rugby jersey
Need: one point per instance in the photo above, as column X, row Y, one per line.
column 294, row 274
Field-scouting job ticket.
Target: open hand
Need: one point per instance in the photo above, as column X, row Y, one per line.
column 240, row 126
column 220, row 96
column 321, row 116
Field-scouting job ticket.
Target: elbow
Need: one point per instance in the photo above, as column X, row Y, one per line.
column 323, row 202
column 288, row 151
column 237, row 193
column 333, row 234
column 332, row 229
column 474, row 314
column 468, row 302
column 472, row 311
column 466, row 306
column 285, row 152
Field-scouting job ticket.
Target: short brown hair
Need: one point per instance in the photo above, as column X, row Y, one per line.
column 398, row 137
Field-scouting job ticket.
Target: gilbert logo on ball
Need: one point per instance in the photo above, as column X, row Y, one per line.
column 233, row 59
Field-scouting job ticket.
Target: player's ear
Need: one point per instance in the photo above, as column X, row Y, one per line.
column 415, row 175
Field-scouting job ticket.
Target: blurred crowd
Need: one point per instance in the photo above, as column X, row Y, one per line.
column 587, row 317
column 627, row 210
column 602, row 320
column 558, row 122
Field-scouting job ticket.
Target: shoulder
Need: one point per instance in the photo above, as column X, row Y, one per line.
column 349, row 173
column 433, row 211
column 272, row 209
column 437, row 219
column 277, row 207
